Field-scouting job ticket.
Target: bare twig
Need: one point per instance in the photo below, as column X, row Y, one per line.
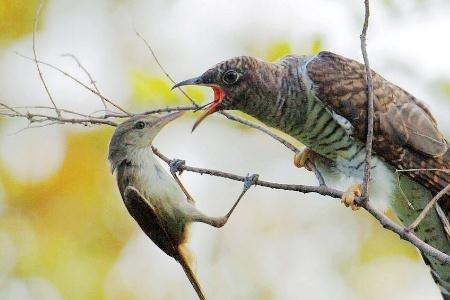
column 35, row 24
column 161, row 67
column 427, row 208
column 405, row 234
column 41, row 118
column 76, row 80
column 326, row 191
column 154, row 111
column 423, row 170
column 323, row 190
column 370, row 100
column 89, row 76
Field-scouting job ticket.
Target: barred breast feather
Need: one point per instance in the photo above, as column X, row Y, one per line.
column 405, row 132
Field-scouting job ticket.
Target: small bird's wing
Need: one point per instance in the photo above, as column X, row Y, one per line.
column 146, row 216
column 340, row 83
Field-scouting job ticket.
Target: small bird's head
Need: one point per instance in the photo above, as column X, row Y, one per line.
column 136, row 133
column 234, row 82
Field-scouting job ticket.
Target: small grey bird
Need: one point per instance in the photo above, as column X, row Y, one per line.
column 152, row 197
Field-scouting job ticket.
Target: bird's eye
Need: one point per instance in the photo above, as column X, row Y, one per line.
column 139, row 125
column 230, row 77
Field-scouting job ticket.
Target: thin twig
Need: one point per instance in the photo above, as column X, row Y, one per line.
column 76, row 80
column 155, row 111
column 41, row 118
column 35, row 24
column 323, row 190
column 370, row 97
column 161, row 67
column 427, row 208
column 326, row 191
column 423, row 170
column 89, row 76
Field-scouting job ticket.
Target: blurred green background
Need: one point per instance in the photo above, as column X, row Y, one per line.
column 64, row 232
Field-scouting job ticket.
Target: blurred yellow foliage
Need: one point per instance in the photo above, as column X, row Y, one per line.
column 16, row 18
column 277, row 50
column 385, row 243
column 444, row 86
column 70, row 227
column 149, row 89
column 316, row 45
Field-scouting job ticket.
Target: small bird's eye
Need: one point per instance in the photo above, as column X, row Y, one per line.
column 139, row 125
column 230, row 77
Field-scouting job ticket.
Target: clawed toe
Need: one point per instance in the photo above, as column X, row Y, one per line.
column 348, row 198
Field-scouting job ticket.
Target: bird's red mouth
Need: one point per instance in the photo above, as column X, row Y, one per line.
column 219, row 95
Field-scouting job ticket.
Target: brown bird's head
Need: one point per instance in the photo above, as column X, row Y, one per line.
column 235, row 83
column 136, row 132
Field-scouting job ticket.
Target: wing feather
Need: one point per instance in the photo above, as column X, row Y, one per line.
column 405, row 132
column 147, row 217
column 399, row 117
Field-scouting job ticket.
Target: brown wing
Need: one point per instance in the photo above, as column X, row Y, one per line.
column 340, row 82
column 147, row 218
column 405, row 132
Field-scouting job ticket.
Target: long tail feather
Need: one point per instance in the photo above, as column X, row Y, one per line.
column 191, row 275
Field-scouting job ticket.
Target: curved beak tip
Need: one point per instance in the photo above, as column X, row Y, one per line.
column 192, row 81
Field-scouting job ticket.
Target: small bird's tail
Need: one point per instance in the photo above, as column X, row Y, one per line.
column 183, row 259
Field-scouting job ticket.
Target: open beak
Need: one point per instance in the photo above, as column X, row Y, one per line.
column 211, row 108
column 166, row 119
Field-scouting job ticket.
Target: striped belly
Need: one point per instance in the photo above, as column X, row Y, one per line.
column 325, row 134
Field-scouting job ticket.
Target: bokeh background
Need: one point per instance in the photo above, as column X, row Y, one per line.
column 64, row 232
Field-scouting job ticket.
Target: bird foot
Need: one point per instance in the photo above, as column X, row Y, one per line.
column 348, row 198
column 301, row 159
column 175, row 165
column 250, row 180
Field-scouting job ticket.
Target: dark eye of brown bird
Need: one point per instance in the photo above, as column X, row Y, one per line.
column 230, row 77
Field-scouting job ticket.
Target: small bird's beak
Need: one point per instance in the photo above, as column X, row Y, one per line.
column 166, row 119
column 212, row 107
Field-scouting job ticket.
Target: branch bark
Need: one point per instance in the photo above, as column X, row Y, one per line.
column 370, row 97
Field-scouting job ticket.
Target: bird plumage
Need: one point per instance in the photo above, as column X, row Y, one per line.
column 156, row 201
column 321, row 101
column 405, row 132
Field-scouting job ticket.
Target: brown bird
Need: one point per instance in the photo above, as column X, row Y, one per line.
column 153, row 198
column 321, row 101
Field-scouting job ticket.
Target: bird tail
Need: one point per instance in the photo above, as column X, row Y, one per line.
column 183, row 259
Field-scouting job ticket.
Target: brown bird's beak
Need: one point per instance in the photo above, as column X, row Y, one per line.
column 193, row 81
column 166, row 119
column 210, row 108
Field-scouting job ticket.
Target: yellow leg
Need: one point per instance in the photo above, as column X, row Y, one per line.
column 301, row 158
column 348, row 198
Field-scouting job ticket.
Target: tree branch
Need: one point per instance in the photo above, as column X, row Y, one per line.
column 325, row 191
column 35, row 24
column 370, row 97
